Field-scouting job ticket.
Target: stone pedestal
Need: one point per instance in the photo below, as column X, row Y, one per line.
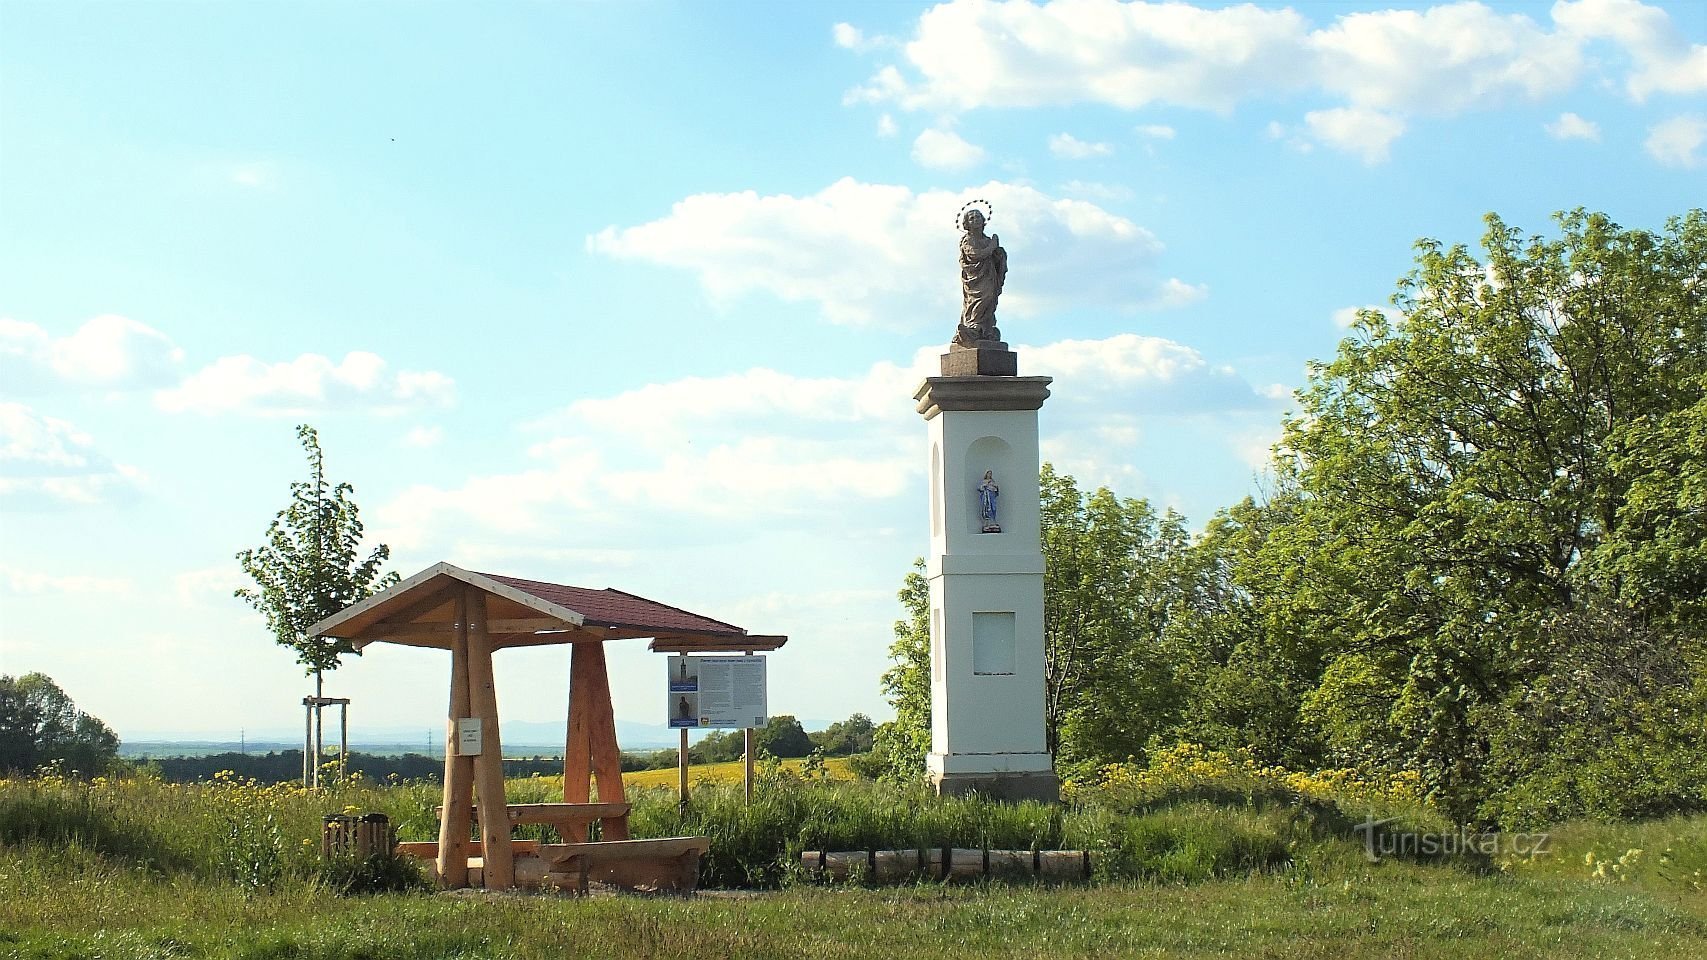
column 989, row 358
column 986, row 589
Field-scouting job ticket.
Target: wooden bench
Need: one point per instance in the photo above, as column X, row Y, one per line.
column 570, row 819
column 662, row 864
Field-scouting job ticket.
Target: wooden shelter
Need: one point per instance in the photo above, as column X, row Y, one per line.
column 474, row 614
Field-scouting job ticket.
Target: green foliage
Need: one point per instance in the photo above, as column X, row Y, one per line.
column 351, row 875
column 1462, row 536
column 1115, row 572
column 41, row 727
column 310, row 567
column 783, row 736
column 846, row 737
column 899, row 746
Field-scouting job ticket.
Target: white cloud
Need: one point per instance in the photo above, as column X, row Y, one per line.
column 1662, row 61
column 35, row 583
column 875, row 253
column 1069, row 147
column 1569, row 126
column 848, row 36
column 1155, row 131
column 47, row 462
column 108, row 352
column 886, row 126
column 1675, row 142
column 698, row 458
column 945, row 150
column 308, row 384
column 423, row 437
column 969, row 54
column 1367, row 133
column 1439, row 60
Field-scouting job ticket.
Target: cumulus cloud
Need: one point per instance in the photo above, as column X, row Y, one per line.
column 1661, row 61
column 1677, row 142
column 1367, row 133
column 48, row 462
column 1389, row 64
column 308, row 384
column 886, row 126
column 876, row 253
column 1069, row 147
column 1569, row 126
column 945, row 150
column 1155, row 131
column 772, row 449
column 108, row 352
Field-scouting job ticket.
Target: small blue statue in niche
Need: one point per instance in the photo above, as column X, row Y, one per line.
column 987, row 494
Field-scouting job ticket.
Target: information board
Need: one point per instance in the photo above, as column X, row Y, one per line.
column 726, row 692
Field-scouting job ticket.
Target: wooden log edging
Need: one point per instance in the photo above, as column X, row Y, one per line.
column 947, row 863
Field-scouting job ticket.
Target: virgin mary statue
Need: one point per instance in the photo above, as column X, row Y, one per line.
column 983, row 270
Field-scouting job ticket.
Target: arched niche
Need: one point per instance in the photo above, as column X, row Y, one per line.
column 992, row 454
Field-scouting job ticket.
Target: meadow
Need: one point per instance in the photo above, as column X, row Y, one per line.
column 1197, row 856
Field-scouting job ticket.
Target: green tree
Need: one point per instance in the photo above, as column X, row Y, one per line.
column 783, row 736
column 845, row 737
column 1511, row 454
column 311, row 567
column 900, row 745
column 41, row 726
column 1114, row 574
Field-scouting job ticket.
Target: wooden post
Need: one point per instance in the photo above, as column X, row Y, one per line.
column 307, row 741
column 601, row 734
column 747, row 742
column 459, row 770
column 343, row 740
column 682, row 773
column 497, row 857
column 577, row 750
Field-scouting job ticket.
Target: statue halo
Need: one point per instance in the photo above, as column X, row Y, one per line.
column 988, row 211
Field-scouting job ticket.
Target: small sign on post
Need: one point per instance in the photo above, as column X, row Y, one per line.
column 470, row 737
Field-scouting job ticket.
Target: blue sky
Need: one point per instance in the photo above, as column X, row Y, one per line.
column 636, row 294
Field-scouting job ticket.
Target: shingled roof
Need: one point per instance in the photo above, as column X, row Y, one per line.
column 421, row 611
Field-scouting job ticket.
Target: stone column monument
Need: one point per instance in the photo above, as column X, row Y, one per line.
column 985, row 564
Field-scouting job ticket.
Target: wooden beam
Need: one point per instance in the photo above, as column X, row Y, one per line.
column 459, row 770
column 577, row 635
column 499, row 866
column 577, row 748
column 606, row 755
column 716, row 644
column 408, row 615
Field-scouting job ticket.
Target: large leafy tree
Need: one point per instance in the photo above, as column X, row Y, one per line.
column 40, row 726
column 1488, row 487
column 311, row 566
column 1114, row 573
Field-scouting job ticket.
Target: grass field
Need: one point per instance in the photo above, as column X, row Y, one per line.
column 836, row 767
column 143, row 869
